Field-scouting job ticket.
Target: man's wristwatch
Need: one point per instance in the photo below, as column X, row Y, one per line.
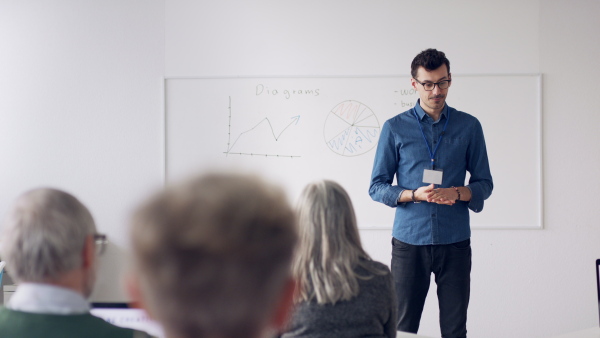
column 413, row 197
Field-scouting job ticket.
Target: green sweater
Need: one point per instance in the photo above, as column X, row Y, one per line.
column 18, row 324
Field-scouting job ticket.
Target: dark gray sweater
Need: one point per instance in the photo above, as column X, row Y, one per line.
column 370, row 314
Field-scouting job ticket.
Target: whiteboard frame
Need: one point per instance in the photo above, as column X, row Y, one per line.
column 539, row 130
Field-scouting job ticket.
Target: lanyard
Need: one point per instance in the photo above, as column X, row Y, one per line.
column 432, row 154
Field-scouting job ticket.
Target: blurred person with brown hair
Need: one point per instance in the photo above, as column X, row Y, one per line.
column 212, row 257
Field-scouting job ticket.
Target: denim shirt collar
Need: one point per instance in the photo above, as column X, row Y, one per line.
column 421, row 113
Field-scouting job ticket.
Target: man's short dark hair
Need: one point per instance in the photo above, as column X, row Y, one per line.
column 430, row 59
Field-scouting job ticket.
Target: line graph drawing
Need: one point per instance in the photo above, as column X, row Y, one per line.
column 351, row 129
column 257, row 136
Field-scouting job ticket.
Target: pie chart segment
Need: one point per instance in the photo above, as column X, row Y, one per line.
column 351, row 129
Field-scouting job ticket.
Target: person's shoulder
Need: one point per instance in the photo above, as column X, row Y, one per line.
column 394, row 122
column 369, row 267
column 27, row 324
column 8, row 315
column 4, row 313
column 141, row 334
column 378, row 282
column 461, row 115
column 401, row 116
column 379, row 266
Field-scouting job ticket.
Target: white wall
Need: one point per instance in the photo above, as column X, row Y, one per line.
column 81, row 109
column 336, row 37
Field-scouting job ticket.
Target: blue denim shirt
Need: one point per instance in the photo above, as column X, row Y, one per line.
column 402, row 152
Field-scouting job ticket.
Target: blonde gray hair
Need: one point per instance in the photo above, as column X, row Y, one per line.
column 44, row 235
column 213, row 254
column 329, row 249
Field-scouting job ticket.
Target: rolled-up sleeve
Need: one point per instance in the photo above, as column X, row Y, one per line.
column 384, row 169
column 480, row 182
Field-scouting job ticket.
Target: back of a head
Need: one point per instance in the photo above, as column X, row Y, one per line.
column 329, row 247
column 212, row 255
column 44, row 235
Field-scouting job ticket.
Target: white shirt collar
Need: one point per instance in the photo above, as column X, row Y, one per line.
column 45, row 298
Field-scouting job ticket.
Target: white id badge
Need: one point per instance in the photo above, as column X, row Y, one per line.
column 432, row 176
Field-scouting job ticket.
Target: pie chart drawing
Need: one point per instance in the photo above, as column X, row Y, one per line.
column 351, row 129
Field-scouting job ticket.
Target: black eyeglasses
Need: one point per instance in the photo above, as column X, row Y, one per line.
column 444, row 84
column 101, row 243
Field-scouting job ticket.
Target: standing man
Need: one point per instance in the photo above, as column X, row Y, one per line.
column 429, row 148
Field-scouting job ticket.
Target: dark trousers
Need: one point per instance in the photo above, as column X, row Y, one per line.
column 412, row 266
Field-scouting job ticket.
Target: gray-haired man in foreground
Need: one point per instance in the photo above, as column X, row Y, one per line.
column 49, row 243
column 212, row 257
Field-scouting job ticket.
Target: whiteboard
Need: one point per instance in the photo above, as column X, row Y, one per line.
column 294, row 130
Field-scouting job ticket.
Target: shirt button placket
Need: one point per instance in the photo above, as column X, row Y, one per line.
column 435, row 231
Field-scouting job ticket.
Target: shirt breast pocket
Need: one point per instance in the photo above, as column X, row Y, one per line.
column 456, row 146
